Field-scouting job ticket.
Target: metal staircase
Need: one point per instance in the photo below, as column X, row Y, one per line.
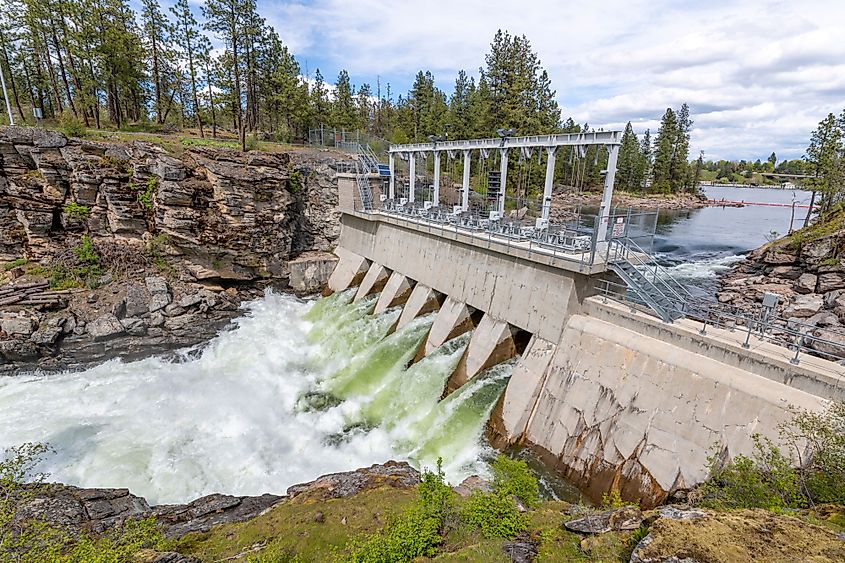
column 365, row 193
column 650, row 282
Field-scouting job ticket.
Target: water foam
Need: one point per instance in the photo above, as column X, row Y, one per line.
column 226, row 420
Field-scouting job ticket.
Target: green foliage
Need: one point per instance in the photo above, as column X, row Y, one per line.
column 296, row 182
column 85, row 269
column 251, row 143
column 145, row 197
column 513, row 477
column 417, row 532
column 771, row 479
column 71, row 126
column 496, row 515
column 614, row 500
column 77, row 212
column 14, row 264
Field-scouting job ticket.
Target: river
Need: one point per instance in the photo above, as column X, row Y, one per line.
column 698, row 244
column 300, row 388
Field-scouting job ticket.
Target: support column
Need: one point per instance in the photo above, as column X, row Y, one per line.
column 607, row 197
column 465, row 193
column 391, row 190
column 412, row 161
column 436, row 197
column 503, row 170
column 550, row 178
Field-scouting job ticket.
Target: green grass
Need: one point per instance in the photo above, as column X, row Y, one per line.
column 14, row 264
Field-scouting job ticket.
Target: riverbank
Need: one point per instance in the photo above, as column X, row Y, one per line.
column 806, row 270
column 643, row 201
column 128, row 249
column 342, row 517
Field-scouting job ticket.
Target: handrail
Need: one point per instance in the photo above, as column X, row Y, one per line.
column 630, row 249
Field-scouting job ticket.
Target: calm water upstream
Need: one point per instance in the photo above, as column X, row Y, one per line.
column 697, row 244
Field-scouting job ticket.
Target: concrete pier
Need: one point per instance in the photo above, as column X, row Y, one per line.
column 423, row 300
column 492, row 343
column 396, row 292
column 374, row 281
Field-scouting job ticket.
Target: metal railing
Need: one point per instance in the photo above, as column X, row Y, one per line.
column 763, row 324
column 574, row 242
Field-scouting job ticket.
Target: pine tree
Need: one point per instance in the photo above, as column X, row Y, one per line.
column 628, row 170
column 320, row 100
column 364, row 108
column 679, row 168
column 664, row 150
column 186, row 35
column 225, row 18
column 157, row 32
column 343, row 107
column 645, row 158
column 459, row 114
column 825, row 157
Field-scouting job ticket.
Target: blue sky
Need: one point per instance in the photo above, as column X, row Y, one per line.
column 758, row 74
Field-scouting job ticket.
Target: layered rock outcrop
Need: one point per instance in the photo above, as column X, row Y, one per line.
column 171, row 231
column 226, row 215
column 808, row 277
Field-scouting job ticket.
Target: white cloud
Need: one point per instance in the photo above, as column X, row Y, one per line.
column 758, row 74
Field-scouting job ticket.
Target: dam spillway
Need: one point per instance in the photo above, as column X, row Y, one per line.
column 608, row 395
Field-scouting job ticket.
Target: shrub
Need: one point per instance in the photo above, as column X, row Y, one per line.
column 496, row 515
column 77, row 212
column 70, row 125
column 251, row 143
column 614, row 500
column 770, row 479
column 14, row 264
column 83, row 269
column 418, row 532
column 513, row 477
column 146, row 197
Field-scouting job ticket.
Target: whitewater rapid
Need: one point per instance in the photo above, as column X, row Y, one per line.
column 233, row 418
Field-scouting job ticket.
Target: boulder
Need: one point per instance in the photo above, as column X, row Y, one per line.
column 105, row 327
column 18, row 325
column 137, row 301
column 823, row 318
column 159, row 301
column 779, row 258
column 786, row 272
column 829, row 342
column 173, row 310
column 804, row 306
column 189, row 300
column 156, row 284
column 831, row 281
column 625, row 518
column 806, row 283
column 395, row 474
column 473, row 483
column 134, row 326
column 46, row 335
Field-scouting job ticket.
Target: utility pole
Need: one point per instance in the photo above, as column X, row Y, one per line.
column 6, row 95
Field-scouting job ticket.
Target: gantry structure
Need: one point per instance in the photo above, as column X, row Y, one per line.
column 505, row 144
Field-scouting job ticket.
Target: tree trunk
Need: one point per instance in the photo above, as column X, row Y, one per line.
column 211, row 101
column 810, row 211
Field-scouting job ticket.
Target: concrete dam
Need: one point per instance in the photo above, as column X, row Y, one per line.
column 610, row 395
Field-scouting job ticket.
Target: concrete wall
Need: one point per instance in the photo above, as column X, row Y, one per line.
column 511, row 287
column 618, row 408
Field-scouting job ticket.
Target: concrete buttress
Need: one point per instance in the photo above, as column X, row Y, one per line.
column 373, row 282
column 396, row 292
column 350, row 270
column 452, row 320
column 491, row 343
column 423, row 300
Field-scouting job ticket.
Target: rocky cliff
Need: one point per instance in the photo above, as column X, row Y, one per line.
column 138, row 243
column 806, row 269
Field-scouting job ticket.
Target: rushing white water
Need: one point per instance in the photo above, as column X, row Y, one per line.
column 234, row 419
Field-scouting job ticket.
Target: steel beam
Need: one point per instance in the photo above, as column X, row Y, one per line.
column 607, row 196
column 391, row 190
column 550, row 178
column 503, row 169
column 436, row 196
column 564, row 139
column 465, row 192
column 412, row 161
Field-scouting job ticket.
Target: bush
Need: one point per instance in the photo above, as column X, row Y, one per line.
column 77, row 212
column 146, row 197
column 14, row 264
column 418, row 532
column 771, row 479
column 71, row 126
column 496, row 515
column 513, row 477
column 83, row 269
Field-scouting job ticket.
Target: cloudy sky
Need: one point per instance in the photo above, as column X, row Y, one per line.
column 757, row 74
